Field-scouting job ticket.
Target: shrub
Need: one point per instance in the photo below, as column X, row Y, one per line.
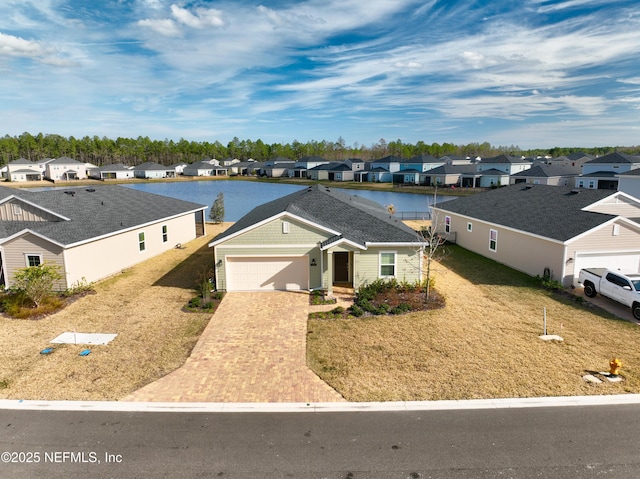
column 79, row 287
column 37, row 281
column 357, row 311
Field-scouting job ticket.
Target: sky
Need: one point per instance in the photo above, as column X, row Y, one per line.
column 529, row 73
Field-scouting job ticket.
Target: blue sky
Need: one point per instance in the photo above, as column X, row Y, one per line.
column 531, row 73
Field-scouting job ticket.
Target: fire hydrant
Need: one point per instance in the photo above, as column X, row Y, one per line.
column 614, row 366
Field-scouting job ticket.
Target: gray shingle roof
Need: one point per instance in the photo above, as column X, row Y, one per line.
column 546, row 171
column 550, row 211
column 615, row 157
column 356, row 219
column 93, row 212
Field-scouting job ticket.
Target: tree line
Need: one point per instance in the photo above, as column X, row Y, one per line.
column 134, row 151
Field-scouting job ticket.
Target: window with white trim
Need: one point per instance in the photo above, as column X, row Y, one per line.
column 33, row 259
column 493, row 240
column 447, row 224
column 141, row 242
column 17, row 209
column 165, row 233
column 469, row 227
column 285, row 227
column 387, row 264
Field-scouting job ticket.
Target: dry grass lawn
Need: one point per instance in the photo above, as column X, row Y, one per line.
column 483, row 344
column 142, row 305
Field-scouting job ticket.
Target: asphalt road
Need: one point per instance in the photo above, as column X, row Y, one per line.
column 550, row 442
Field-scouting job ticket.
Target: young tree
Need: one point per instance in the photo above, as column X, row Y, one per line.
column 37, row 281
column 436, row 238
column 217, row 209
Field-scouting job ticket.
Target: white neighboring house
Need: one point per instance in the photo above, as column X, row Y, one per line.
column 24, row 170
column 151, row 170
column 64, row 168
column 116, row 171
column 602, row 173
column 90, row 233
column 629, row 182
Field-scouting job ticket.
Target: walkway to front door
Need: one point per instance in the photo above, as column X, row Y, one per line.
column 252, row 350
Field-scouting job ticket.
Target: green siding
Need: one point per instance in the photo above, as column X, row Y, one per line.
column 407, row 265
column 272, row 233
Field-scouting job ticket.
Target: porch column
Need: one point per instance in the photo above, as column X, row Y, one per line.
column 354, row 269
column 329, row 273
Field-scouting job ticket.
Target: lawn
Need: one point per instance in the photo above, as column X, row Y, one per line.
column 484, row 344
column 143, row 305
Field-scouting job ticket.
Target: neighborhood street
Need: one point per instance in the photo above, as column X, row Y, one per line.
column 552, row 442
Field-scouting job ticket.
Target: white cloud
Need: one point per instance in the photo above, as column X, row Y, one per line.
column 201, row 19
column 166, row 26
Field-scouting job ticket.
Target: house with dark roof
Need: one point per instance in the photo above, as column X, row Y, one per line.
column 90, row 233
column 151, row 170
column 115, row 171
column 447, row 175
column 547, row 229
column 601, row 173
column 315, row 238
column 545, row 174
column 334, row 171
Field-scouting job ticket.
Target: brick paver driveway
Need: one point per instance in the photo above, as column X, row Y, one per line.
column 252, row 350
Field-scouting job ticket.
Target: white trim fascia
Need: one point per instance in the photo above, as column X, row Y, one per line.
column 614, row 194
column 396, row 245
column 266, row 246
column 300, row 255
column 622, row 219
column 343, row 241
column 508, row 228
column 605, row 252
column 269, row 220
column 35, row 205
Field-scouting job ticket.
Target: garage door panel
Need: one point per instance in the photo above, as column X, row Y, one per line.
column 267, row 273
column 625, row 261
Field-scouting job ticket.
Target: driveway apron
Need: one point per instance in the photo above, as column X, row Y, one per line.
column 252, row 350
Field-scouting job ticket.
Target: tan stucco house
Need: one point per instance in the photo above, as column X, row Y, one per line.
column 90, row 233
column 314, row 239
column 538, row 228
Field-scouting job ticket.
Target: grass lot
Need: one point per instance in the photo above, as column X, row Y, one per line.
column 142, row 305
column 483, row 344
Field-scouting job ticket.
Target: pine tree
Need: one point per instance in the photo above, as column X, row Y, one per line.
column 217, row 209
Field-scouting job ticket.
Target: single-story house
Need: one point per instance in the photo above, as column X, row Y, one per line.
column 544, row 174
column 116, row 171
column 90, row 233
column 547, row 229
column 313, row 239
column 152, row 170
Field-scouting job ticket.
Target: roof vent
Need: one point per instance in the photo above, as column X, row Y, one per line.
column 90, row 190
column 72, row 193
column 574, row 192
column 528, row 187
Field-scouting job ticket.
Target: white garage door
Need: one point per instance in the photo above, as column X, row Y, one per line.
column 268, row 273
column 629, row 261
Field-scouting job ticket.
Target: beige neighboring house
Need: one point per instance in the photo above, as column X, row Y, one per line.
column 64, row 168
column 25, row 170
column 315, row 238
column 547, row 229
column 90, row 233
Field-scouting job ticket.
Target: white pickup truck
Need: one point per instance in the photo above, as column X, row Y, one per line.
column 621, row 287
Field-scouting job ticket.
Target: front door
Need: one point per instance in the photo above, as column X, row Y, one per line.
column 341, row 267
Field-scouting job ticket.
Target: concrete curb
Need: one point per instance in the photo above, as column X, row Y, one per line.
column 508, row 403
